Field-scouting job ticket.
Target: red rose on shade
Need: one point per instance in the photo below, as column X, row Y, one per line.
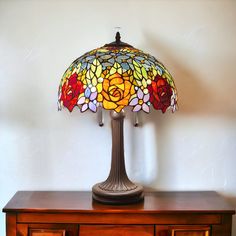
column 160, row 93
column 70, row 92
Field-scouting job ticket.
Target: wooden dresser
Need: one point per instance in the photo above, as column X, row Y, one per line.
column 50, row 213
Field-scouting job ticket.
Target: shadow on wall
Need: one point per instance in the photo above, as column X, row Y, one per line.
column 195, row 97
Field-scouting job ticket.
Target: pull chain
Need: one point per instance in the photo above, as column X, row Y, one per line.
column 136, row 119
column 100, row 116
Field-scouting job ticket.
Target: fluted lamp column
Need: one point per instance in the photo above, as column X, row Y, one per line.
column 117, row 188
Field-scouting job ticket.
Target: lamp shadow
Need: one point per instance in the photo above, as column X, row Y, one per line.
column 196, row 97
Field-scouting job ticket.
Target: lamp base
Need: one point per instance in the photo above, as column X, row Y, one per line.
column 118, row 197
column 117, row 188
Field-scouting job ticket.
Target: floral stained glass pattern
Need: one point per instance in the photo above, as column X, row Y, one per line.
column 116, row 77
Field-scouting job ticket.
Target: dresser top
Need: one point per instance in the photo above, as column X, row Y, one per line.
column 81, row 202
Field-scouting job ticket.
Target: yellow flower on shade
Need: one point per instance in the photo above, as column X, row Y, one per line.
column 117, row 90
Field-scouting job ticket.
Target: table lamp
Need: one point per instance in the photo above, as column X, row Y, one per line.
column 113, row 77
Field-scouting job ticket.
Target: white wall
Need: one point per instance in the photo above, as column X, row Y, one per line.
column 43, row 149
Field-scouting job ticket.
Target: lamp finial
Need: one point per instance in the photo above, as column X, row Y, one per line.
column 118, row 37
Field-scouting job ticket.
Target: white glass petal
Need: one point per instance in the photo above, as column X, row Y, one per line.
column 92, row 107
column 81, row 100
column 84, row 107
column 133, row 102
column 93, row 96
column 146, row 97
column 140, row 94
column 137, row 108
column 145, row 107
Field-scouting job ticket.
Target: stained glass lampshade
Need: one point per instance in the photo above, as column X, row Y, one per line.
column 113, row 77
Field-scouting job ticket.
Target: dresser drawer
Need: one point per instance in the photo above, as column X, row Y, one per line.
column 47, row 229
column 47, row 232
column 184, row 230
column 116, row 230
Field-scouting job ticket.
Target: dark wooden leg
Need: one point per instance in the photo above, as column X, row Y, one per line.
column 224, row 229
column 10, row 224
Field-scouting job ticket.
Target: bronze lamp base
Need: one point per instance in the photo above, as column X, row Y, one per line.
column 117, row 189
column 118, row 197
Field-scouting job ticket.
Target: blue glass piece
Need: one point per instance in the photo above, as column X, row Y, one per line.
column 130, row 54
column 159, row 69
column 89, row 58
column 106, row 64
column 131, row 66
column 84, row 65
column 88, row 65
column 153, row 59
column 100, row 54
column 125, row 66
column 106, row 57
column 147, row 67
column 87, row 92
column 112, row 61
column 139, row 58
column 121, row 59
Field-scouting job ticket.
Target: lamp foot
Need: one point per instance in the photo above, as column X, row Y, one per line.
column 117, row 197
